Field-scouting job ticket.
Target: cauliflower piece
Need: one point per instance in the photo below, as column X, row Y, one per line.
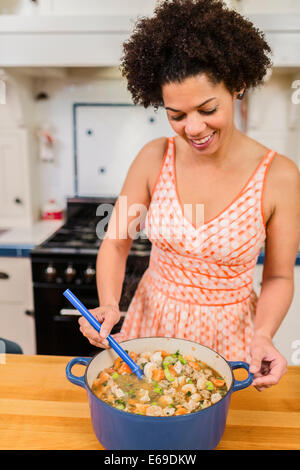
column 145, row 396
column 188, row 388
column 205, row 394
column 165, row 400
column 215, row 397
column 187, row 369
column 168, row 411
column 201, row 383
column 207, row 372
column 148, row 370
column 170, row 391
column 178, row 367
column 181, row 379
column 190, row 405
column 154, row 410
column 196, row 397
column 205, row 404
column 117, row 391
column 156, row 358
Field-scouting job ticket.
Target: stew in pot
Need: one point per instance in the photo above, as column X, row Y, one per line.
column 173, row 384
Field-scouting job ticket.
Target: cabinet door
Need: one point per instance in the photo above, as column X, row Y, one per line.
column 13, row 175
column 16, row 298
column 17, row 326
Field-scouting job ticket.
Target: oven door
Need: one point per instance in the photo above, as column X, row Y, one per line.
column 56, row 322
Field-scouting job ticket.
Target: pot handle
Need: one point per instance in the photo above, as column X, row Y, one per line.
column 73, row 378
column 240, row 384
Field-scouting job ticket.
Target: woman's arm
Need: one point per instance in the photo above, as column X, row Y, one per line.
column 125, row 222
column 282, row 243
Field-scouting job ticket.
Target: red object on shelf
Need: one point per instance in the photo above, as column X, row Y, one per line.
column 52, row 211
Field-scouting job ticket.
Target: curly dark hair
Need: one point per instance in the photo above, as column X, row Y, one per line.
column 188, row 37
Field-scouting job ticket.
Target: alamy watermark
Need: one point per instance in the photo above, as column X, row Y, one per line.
column 2, row 92
column 128, row 220
column 296, row 93
column 296, row 354
column 2, row 352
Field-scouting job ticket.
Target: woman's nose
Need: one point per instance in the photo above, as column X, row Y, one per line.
column 194, row 125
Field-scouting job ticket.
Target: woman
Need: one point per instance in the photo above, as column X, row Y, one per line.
column 196, row 58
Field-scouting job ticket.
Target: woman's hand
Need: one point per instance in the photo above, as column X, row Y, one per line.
column 267, row 364
column 108, row 316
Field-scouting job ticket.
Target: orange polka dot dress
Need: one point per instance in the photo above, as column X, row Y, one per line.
column 198, row 284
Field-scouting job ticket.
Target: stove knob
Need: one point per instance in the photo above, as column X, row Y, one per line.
column 89, row 274
column 50, row 273
column 70, row 273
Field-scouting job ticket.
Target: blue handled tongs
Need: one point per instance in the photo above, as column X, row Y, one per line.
column 92, row 320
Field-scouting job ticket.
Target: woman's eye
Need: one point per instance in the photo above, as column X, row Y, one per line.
column 176, row 118
column 209, row 112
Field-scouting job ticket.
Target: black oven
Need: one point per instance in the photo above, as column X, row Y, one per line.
column 57, row 266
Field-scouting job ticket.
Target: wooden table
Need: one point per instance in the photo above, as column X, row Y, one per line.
column 41, row 409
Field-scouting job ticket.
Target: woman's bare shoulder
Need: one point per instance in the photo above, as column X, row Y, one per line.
column 283, row 170
column 283, row 183
column 150, row 159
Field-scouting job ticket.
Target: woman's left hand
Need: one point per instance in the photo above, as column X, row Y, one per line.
column 267, row 364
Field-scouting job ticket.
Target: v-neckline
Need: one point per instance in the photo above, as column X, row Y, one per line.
column 227, row 207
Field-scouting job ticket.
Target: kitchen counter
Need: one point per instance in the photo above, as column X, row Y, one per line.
column 41, row 409
column 19, row 241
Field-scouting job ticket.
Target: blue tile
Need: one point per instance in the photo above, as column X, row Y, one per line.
column 14, row 251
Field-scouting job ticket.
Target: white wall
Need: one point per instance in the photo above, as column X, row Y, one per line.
column 266, row 6
column 273, row 118
column 57, row 178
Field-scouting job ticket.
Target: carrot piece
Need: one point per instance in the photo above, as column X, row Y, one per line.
column 133, row 355
column 103, row 377
column 124, row 369
column 180, row 411
column 158, row 374
column 117, row 363
column 188, row 357
column 164, row 354
column 194, row 364
column 172, row 370
column 109, row 370
column 217, row 382
column 141, row 407
column 131, row 401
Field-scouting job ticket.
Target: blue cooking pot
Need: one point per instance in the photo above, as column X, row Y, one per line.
column 118, row 429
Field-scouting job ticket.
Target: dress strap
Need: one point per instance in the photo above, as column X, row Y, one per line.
column 266, row 165
column 168, row 151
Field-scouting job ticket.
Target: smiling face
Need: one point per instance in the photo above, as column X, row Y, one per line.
column 200, row 112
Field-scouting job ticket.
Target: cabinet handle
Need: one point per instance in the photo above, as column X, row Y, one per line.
column 4, row 275
column 30, row 313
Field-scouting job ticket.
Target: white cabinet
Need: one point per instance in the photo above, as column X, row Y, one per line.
column 78, row 7
column 59, row 40
column 16, row 299
column 16, row 204
column 288, row 334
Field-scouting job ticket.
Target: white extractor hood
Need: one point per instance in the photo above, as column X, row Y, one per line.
column 282, row 32
column 59, row 40
column 96, row 40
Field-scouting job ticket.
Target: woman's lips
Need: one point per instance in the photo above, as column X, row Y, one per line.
column 196, row 144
